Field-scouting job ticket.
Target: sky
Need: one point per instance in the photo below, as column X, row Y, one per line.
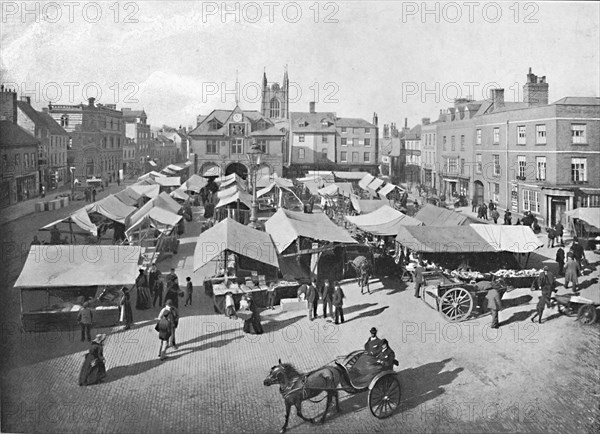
column 177, row 60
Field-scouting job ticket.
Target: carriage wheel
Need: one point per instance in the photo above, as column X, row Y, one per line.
column 456, row 304
column 587, row 314
column 384, row 397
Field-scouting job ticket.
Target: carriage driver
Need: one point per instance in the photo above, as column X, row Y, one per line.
column 373, row 345
column 386, row 358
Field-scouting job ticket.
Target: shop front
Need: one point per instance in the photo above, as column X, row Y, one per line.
column 27, row 186
column 557, row 202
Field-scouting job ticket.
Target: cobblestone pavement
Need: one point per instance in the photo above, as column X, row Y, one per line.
column 455, row 377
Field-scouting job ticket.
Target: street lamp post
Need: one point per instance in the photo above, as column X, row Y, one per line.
column 254, row 155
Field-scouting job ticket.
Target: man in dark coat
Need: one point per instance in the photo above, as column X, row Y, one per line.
column 577, row 250
column 386, row 358
column 419, row 278
column 312, row 299
column 338, row 303
column 560, row 259
column 327, row 297
column 373, row 344
column 545, row 282
column 507, row 218
column 494, row 304
column 560, row 230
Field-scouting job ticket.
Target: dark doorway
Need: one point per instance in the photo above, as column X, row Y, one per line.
column 479, row 192
column 239, row 169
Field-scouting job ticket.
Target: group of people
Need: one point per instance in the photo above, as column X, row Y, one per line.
column 332, row 297
column 377, row 357
column 573, row 266
column 252, row 324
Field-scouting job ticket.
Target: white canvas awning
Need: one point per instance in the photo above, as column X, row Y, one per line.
column 374, row 185
column 112, row 208
column 365, row 181
column 80, row 218
column 55, row 266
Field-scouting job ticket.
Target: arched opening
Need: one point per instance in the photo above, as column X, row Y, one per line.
column 275, row 108
column 238, row 168
column 479, row 192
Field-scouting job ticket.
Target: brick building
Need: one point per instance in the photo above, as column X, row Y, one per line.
column 139, row 138
column 98, row 135
column 54, row 140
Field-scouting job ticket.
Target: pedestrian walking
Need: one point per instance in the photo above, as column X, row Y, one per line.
column 126, row 312
column 55, row 235
column 93, row 369
column 474, row 204
column 491, row 206
column 142, row 300
column 271, row 295
column 189, row 291
column 252, row 325
column 94, row 195
column 164, row 329
column 495, row 216
column 560, row 260
column 87, row 194
column 572, row 273
column 560, row 229
column 85, row 318
column 507, row 218
column 551, row 233
column 327, row 297
column 577, row 250
column 485, row 212
column 159, row 286
column 118, row 182
column 419, row 278
column 172, row 288
column 539, row 308
column 338, row 303
column 494, row 304
column 312, row 299
column 545, row 282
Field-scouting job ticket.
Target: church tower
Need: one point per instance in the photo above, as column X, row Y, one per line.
column 275, row 98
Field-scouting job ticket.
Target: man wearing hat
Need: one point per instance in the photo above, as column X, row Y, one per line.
column 386, row 357
column 373, row 344
column 545, row 282
column 494, row 304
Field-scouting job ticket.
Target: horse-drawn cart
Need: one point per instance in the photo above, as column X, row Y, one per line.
column 295, row 387
column 456, row 300
column 573, row 304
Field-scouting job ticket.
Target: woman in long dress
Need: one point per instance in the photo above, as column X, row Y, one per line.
column 252, row 325
column 572, row 272
column 93, row 369
column 126, row 312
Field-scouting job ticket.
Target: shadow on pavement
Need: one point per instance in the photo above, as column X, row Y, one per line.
column 518, row 317
column 370, row 313
column 354, row 308
column 274, row 325
column 513, row 302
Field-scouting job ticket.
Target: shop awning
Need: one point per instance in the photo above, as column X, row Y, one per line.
column 128, row 196
column 286, row 226
column 235, row 237
column 374, row 185
column 112, row 208
column 350, row 176
column 169, row 181
column 163, row 201
column 157, row 217
column 52, row 266
column 153, row 174
column 383, row 221
column 339, row 188
column 194, row 183
column 179, row 194
column 175, row 168
column 432, row 215
column 80, row 218
column 475, row 238
column 168, row 171
column 363, row 206
column 589, row 215
column 150, row 191
column 386, row 189
column 212, row 171
column 152, row 163
column 240, row 195
column 365, row 181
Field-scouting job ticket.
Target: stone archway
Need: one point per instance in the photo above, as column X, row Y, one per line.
column 240, row 169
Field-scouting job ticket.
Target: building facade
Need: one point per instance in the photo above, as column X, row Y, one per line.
column 412, row 146
column 19, row 178
column 98, row 136
column 54, row 140
column 139, row 137
column 222, row 139
column 428, row 155
column 275, row 102
column 358, row 144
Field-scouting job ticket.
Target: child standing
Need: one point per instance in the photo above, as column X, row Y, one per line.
column 85, row 318
column 189, row 290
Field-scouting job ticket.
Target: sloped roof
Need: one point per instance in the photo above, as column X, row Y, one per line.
column 589, row 215
column 364, row 206
column 339, row 188
column 13, row 135
column 203, row 129
column 578, row 100
column 286, row 226
column 158, row 218
column 128, row 196
column 150, row 191
column 354, row 123
column 235, row 237
column 112, row 208
column 194, row 183
column 41, row 119
column 313, row 122
column 79, row 218
column 383, row 221
column 432, row 215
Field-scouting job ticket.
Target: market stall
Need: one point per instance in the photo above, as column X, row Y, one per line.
column 585, row 223
column 365, row 206
column 384, row 221
column 432, row 215
column 77, row 224
column 57, row 280
column 277, row 194
column 239, row 259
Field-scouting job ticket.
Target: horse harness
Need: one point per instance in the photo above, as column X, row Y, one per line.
column 288, row 390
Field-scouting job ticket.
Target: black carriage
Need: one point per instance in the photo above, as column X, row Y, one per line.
column 456, row 300
column 383, row 387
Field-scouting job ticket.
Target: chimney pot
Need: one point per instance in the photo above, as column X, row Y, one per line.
column 91, row 101
column 311, row 107
column 425, row 121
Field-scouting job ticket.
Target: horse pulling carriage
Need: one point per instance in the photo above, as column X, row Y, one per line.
column 383, row 386
column 455, row 301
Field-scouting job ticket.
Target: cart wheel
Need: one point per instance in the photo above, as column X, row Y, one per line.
column 384, row 397
column 587, row 314
column 456, row 304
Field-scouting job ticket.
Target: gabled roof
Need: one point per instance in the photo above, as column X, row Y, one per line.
column 13, row 135
column 133, row 114
column 313, row 122
column 223, row 116
column 41, row 119
column 354, row 123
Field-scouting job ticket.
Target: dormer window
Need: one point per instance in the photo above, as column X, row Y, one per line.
column 64, row 121
column 302, row 124
column 214, row 124
column 325, row 123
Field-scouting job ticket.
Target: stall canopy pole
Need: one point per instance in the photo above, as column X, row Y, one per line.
column 527, row 260
column 71, row 230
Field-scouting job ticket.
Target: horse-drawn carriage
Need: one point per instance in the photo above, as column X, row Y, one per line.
column 383, row 386
column 456, row 300
column 574, row 304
